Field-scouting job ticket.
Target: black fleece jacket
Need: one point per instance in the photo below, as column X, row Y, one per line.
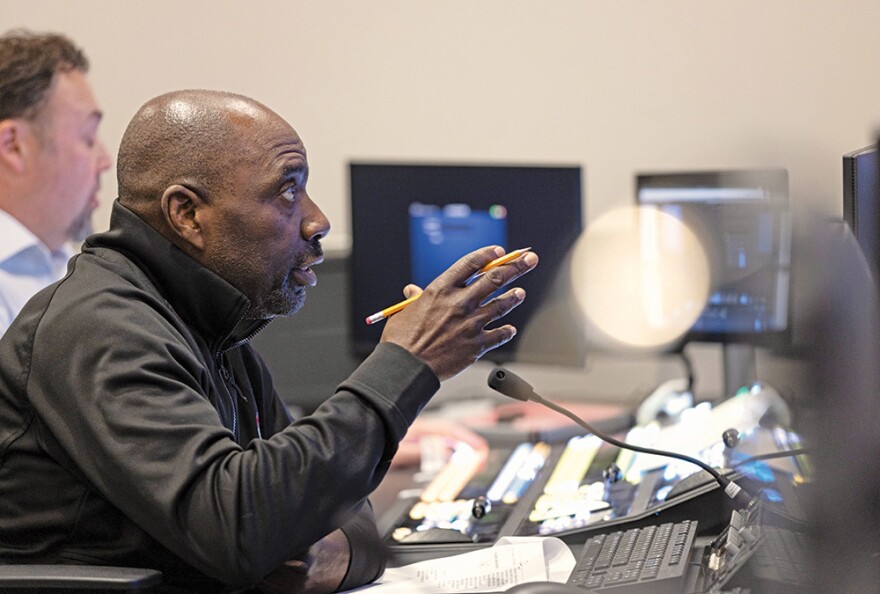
column 138, row 427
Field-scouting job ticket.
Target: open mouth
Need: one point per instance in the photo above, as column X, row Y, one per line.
column 305, row 275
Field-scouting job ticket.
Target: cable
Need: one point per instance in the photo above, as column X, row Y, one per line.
column 771, row 455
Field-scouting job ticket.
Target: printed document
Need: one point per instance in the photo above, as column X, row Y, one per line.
column 511, row 561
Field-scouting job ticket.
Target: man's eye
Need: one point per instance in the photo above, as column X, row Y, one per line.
column 289, row 194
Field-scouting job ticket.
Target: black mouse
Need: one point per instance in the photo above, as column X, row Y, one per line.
column 547, row 588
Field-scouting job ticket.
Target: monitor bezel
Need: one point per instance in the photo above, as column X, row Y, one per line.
column 859, row 202
column 573, row 176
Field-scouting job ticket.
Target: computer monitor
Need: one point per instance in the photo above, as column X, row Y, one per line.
column 743, row 221
column 861, row 201
column 411, row 221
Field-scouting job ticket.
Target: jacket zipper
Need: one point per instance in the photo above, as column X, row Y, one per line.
column 230, row 385
column 230, row 390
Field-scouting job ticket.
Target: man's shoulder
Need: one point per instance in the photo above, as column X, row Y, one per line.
column 96, row 271
column 102, row 289
column 15, row 238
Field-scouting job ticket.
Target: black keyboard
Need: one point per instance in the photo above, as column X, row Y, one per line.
column 650, row 559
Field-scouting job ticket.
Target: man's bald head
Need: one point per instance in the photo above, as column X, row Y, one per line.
column 224, row 178
column 193, row 138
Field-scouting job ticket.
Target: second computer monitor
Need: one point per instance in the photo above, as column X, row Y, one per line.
column 743, row 222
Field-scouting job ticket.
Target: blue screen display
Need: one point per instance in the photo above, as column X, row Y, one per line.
column 440, row 235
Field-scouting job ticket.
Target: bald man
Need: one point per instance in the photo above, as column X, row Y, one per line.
column 137, row 425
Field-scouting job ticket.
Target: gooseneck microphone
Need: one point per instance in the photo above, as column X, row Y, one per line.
column 510, row 384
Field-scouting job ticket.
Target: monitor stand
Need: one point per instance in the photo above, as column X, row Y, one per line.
column 740, row 368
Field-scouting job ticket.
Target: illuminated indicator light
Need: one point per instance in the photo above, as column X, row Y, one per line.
column 496, row 211
column 463, row 470
column 418, row 511
column 429, row 495
column 508, row 472
column 625, row 461
column 526, row 473
column 573, row 465
column 561, row 506
column 452, row 478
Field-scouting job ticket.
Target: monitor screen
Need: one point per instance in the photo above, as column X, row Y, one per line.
column 411, row 221
column 861, row 201
column 743, row 222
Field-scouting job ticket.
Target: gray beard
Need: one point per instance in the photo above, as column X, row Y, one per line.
column 280, row 303
column 286, row 298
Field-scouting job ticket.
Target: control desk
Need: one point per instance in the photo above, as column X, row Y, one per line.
column 576, row 486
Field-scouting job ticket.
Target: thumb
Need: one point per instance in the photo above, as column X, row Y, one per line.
column 411, row 290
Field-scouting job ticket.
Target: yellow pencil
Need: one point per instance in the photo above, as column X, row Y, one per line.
column 390, row 311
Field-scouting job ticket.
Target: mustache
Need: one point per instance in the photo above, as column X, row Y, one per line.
column 313, row 252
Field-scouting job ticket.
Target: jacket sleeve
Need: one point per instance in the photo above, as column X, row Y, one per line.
column 368, row 552
column 116, row 384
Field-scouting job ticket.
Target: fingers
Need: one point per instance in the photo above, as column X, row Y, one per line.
column 447, row 326
column 502, row 305
column 494, row 310
column 495, row 278
column 457, row 274
column 494, row 338
column 485, row 312
column 488, row 282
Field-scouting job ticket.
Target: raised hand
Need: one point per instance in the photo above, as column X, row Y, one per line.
column 446, row 325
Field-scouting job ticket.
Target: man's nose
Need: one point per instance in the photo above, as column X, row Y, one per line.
column 104, row 161
column 315, row 225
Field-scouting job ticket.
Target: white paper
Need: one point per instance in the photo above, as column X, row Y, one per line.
column 511, row 561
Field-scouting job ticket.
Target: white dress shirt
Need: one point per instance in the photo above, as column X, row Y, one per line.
column 26, row 266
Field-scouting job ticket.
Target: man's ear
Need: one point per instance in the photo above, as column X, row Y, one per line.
column 183, row 212
column 12, row 144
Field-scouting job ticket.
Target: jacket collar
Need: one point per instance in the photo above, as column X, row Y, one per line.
column 208, row 303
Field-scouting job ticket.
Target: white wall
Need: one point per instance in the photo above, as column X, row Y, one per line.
column 618, row 87
column 615, row 86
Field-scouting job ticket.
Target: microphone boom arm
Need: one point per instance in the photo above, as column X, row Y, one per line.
column 510, row 384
